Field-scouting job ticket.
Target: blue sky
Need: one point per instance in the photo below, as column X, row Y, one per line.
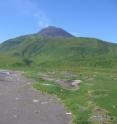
column 89, row 18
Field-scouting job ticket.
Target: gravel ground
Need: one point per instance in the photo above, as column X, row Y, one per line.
column 21, row 104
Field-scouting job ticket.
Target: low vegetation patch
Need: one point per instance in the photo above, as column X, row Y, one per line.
column 97, row 91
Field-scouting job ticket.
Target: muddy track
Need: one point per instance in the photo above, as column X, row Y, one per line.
column 21, row 104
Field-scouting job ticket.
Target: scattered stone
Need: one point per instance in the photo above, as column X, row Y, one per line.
column 68, row 113
column 35, row 100
column 46, row 84
column 75, row 82
column 28, row 83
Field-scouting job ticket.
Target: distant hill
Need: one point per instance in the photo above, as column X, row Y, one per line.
column 55, row 47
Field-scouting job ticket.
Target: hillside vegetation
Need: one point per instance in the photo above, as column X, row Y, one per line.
column 61, row 51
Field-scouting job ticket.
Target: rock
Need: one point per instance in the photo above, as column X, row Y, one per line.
column 68, row 113
column 75, row 82
column 35, row 100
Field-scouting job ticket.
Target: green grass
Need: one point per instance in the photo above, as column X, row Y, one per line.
column 102, row 84
column 50, row 52
column 69, row 98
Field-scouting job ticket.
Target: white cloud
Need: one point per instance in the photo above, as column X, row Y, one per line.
column 43, row 24
column 43, row 20
column 30, row 8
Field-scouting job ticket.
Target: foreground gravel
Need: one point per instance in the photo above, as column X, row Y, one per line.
column 21, row 104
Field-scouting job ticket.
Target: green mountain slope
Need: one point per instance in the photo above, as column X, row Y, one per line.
column 67, row 51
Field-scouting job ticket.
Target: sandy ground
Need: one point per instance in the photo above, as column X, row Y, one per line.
column 21, row 104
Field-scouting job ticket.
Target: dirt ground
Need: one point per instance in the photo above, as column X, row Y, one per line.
column 21, row 104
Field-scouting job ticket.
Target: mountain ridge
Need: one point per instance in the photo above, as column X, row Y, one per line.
column 78, row 51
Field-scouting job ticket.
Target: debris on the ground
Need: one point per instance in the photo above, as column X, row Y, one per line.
column 28, row 83
column 100, row 116
column 47, row 84
column 69, row 84
column 35, row 100
column 65, row 79
column 75, row 83
column 17, row 98
column 68, row 113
